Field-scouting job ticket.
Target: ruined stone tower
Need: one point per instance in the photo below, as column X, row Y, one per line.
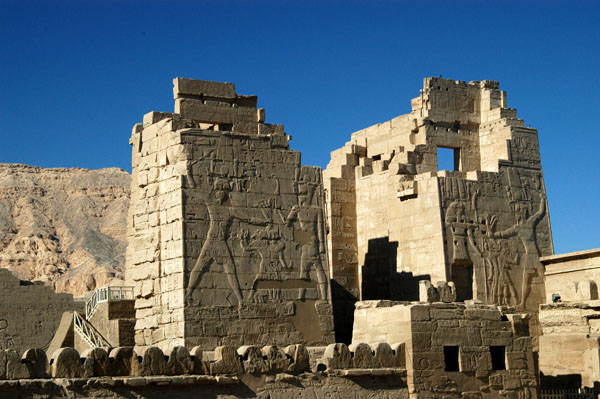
column 396, row 219
column 226, row 228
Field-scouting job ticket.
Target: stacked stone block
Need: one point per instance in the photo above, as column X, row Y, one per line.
column 227, row 229
column 570, row 318
column 115, row 321
column 249, row 371
column 483, row 225
column 452, row 348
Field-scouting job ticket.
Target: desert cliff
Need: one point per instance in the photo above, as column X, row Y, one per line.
column 64, row 226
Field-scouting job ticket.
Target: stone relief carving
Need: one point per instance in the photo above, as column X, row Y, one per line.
column 216, row 248
column 269, row 224
column 506, row 258
column 7, row 340
column 308, row 216
column 525, row 231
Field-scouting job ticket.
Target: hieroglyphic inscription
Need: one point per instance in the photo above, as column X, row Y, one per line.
column 492, row 224
column 256, row 232
column 259, row 224
column 226, row 227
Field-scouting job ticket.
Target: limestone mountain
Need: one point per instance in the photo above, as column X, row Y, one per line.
column 64, row 226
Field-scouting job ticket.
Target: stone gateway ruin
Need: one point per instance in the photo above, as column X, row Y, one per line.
column 387, row 275
column 396, row 218
column 227, row 227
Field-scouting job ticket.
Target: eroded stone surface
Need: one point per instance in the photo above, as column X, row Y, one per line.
column 65, row 363
column 399, row 219
column 36, row 362
column 227, row 228
column 440, row 338
column 29, row 313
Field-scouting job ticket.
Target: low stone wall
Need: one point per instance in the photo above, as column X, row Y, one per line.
column 455, row 349
column 574, row 276
column 30, row 313
column 569, row 344
column 250, row 371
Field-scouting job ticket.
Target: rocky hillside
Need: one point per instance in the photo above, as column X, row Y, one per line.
column 64, row 226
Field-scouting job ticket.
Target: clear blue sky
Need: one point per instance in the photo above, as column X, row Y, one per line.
column 76, row 75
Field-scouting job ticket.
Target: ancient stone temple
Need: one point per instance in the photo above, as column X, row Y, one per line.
column 245, row 264
column 226, row 228
column 397, row 217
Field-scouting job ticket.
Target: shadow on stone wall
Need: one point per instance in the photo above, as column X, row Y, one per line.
column 380, row 278
column 343, row 312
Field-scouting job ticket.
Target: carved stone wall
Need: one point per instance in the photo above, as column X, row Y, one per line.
column 453, row 348
column 498, row 226
column 227, row 229
column 396, row 219
column 30, row 313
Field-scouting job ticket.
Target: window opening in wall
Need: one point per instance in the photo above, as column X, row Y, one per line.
column 377, row 157
column 448, row 158
column 498, row 357
column 451, row 358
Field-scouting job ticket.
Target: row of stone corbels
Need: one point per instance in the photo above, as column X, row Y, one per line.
column 124, row 361
column 363, row 356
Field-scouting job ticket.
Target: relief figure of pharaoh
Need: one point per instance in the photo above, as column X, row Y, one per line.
column 216, row 249
column 310, row 237
column 525, row 231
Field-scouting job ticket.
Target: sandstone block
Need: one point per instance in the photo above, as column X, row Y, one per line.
column 423, row 361
column 96, row 363
column 154, row 116
column 337, row 356
column 517, row 361
column 479, row 313
column 198, row 110
column 36, row 362
column 362, row 356
column 179, row 362
column 420, row 313
column 226, row 361
column 200, row 88
column 446, row 312
column 65, row 363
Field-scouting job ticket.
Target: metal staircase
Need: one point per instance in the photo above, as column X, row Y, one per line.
column 84, row 327
column 106, row 294
column 87, row 331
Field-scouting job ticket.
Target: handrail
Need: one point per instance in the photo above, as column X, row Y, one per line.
column 106, row 294
column 91, row 305
column 89, row 333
